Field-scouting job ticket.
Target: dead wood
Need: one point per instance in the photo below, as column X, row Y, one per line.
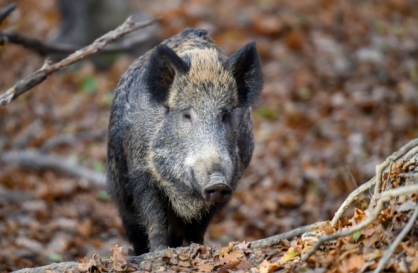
column 44, row 48
column 400, row 162
column 47, row 69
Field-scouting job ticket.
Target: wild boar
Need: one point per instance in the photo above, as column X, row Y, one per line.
column 180, row 137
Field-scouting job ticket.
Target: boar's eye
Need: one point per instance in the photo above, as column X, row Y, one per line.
column 187, row 116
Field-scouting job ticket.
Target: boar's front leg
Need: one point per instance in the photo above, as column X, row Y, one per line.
column 195, row 231
column 150, row 203
column 134, row 231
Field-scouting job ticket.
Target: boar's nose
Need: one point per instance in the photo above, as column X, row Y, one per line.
column 217, row 191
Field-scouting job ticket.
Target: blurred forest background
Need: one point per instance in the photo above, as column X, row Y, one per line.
column 341, row 94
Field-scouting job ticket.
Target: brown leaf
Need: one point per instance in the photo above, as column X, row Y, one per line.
column 376, row 253
column 242, row 245
column 353, row 263
column 409, row 250
column 118, row 259
column 267, row 267
column 169, row 253
column 413, row 267
column 295, row 41
column 358, row 215
column 228, row 266
column 341, row 223
column 227, row 249
column 327, row 228
column 234, row 255
column 206, row 267
column 269, row 25
column 183, row 257
column 183, row 263
column 351, row 249
column 85, row 264
column 376, row 236
column 245, row 265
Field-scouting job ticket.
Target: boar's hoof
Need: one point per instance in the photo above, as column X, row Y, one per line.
column 217, row 192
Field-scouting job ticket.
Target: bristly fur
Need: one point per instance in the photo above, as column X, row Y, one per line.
column 181, row 114
column 246, row 69
column 163, row 59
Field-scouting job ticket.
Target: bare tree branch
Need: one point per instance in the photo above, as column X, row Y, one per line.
column 351, row 198
column 54, row 267
column 408, row 149
column 274, row 240
column 6, row 11
column 39, row 76
column 406, row 154
column 43, row 48
column 37, row 161
column 384, row 197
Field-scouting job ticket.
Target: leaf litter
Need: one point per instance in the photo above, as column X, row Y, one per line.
column 340, row 95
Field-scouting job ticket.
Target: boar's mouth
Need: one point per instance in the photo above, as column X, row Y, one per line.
column 217, row 190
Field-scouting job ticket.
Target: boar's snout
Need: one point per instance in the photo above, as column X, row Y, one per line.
column 217, row 191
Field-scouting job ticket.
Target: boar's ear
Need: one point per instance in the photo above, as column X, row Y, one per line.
column 246, row 68
column 163, row 66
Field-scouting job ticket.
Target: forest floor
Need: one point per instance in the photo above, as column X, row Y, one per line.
column 340, row 95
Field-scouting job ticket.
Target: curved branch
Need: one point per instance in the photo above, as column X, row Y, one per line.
column 351, row 198
column 39, row 76
column 43, row 48
column 274, row 240
column 384, row 197
column 55, row 267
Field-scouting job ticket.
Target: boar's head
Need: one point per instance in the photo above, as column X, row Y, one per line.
column 194, row 151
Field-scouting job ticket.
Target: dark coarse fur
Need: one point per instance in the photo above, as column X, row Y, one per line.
column 180, row 137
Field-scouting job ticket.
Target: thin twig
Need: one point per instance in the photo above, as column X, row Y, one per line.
column 413, row 152
column 406, row 149
column 37, row 161
column 411, row 176
column 37, row 77
column 351, row 198
column 383, row 261
column 6, row 11
column 274, row 240
column 384, row 196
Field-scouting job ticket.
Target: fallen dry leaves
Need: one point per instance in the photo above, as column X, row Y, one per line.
column 358, row 252
column 341, row 255
column 340, row 94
